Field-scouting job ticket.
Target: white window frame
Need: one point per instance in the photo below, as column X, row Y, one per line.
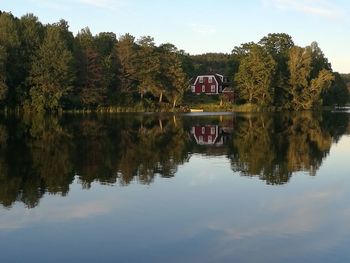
column 212, row 131
column 210, row 139
column 203, row 130
column 200, row 139
column 201, row 79
column 213, row 88
column 203, row 88
column 210, row 80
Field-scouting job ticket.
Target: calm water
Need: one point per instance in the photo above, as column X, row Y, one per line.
column 164, row 188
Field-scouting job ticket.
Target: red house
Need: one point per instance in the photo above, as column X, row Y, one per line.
column 209, row 84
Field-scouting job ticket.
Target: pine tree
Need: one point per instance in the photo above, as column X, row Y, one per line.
column 10, row 43
column 125, row 51
column 52, row 73
column 31, row 37
column 148, row 68
column 93, row 89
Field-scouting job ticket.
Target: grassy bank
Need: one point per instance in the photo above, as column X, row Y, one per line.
column 201, row 102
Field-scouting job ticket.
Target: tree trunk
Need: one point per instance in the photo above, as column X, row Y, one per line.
column 174, row 104
column 174, row 120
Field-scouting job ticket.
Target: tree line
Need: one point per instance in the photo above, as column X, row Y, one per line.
column 276, row 72
column 46, row 67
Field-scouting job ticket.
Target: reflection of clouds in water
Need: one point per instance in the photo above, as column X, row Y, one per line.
column 312, row 221
column 18, row 217
column 218, row 167
column 293, row 216
column 343, row 145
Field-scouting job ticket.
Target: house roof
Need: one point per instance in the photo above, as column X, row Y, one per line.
column 218, row 79
column 215, row 75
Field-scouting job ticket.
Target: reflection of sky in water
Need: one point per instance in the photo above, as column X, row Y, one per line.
column 203, row 214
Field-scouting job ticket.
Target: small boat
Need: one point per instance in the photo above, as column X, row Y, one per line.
column 196, row 110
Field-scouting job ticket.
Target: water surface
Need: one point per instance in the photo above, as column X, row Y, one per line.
column 175, row 188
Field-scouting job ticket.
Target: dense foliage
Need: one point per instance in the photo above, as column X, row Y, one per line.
column 46, row 67
column 277, row 72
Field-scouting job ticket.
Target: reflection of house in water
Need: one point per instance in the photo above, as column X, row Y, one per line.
column 207, row 135
column 212, row 134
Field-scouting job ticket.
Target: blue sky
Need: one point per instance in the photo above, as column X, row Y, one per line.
column 199, row 26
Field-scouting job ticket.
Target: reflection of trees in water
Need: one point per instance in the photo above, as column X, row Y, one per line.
column 50, row 147
column 43, row 154
column 95, row 151
column 36, row 159
column 275, row 146
column 111, row 150
column 154, row 148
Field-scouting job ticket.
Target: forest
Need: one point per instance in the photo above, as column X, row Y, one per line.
column 45, row 68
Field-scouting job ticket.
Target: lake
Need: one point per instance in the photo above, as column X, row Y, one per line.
column 175, row 188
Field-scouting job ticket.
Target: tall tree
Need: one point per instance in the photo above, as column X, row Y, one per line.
column 92, row 87
column 10, row 42
column 319, row 61
column 305, row 90
column 148, row 67
column 299, row 67
column 52, row 73
column 255, row 75
column 278, row 45
column 31, row 37
column 125, row 51
column 173, row 77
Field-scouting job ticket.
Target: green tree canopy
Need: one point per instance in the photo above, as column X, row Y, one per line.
column 254, row 77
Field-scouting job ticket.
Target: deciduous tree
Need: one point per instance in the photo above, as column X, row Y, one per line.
column 255, row 75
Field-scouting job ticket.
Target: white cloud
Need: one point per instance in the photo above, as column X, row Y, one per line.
column 58, row 5
column 322, row 8
column 112, row 5
column 203, row 29
column 105, row 4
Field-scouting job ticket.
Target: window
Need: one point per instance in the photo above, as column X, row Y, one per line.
column 200, row 139
column 212, row 130
column 203, row 88
column 213, row 88
column 210, row 139
column 201, row 79
column 210, row 80
column 203, row 130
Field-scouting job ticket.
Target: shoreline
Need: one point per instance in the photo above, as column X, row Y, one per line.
column 198, row 109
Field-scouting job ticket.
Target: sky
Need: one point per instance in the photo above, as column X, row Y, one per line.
column 200, row 26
